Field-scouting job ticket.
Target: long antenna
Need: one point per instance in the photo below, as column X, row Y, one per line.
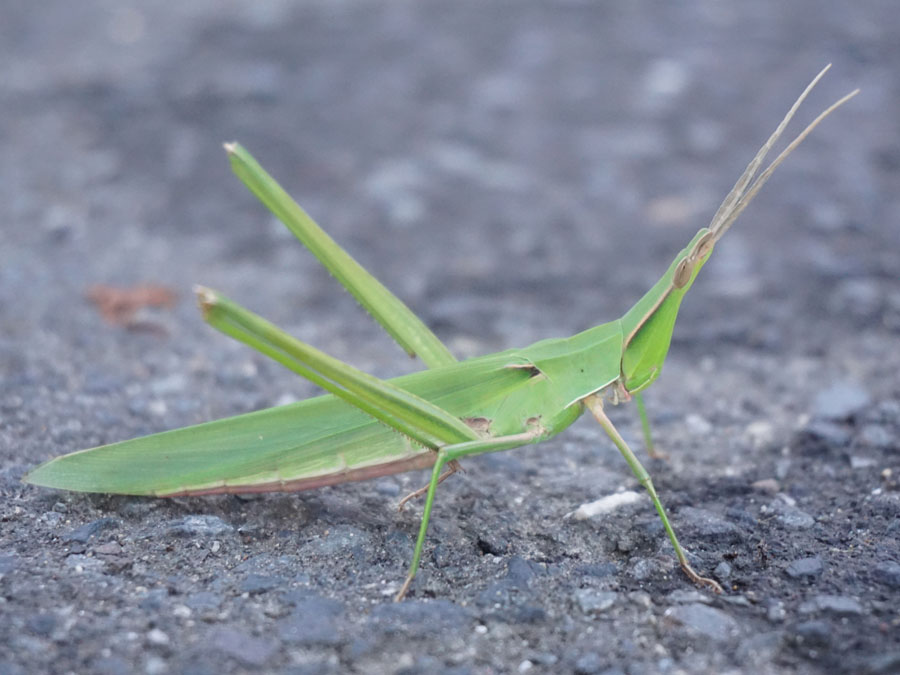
column 746, row 188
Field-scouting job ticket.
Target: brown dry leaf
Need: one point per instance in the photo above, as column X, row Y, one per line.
column 118, row 306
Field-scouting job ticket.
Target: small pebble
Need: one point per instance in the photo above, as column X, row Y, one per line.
column 388, row 488
column 737, row 600
column 776, row 612
column 685, row 596
column 792, row 518
column 709, row 526
column 181, row 612
column 722, row 571
column 840, row 401
column 769, row 485
column 805, row 568
column 198, row 526
column 154, row 599
column 171, row 384
column 8, row 563
column 314, row 622
column 840, row 605
column 883, row 664
column 643, row 569
column 255, row 584
column 157, row 637
column 595, row 602
column 887, row 573
column 155, row 665
column 707, row 621
column 251, row 651
column 829, row 434
column 417, row 619
column 41, row 624
column 877, row 436
column 697, row 424
column 813, row 633
column 761, row 432
column 520, row 572
column 665, row 78
column 886, row 412
column 759, row 650
column 606, row 504
column 589, row 664
column 83, row 534
column 857, row 462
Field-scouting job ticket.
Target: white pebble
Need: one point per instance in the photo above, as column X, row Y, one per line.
column 697, row 424
column 157, row 637
column 606, row 504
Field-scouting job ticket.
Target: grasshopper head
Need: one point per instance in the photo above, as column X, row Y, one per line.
column 647, row 327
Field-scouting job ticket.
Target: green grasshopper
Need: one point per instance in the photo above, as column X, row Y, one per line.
column 369, row 427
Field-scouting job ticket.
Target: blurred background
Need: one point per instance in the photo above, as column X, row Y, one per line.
column 509, row 168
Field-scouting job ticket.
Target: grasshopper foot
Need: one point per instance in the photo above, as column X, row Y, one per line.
column 656, row 453
column 412, row 495
column 711, row 584
column 452, row 467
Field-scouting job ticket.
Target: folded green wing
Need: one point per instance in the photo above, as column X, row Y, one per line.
column 322, row 439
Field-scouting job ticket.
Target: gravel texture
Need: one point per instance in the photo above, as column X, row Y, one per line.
column 514, row 170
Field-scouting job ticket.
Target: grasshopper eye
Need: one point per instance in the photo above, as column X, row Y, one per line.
column 683, row 272
column 705, row 245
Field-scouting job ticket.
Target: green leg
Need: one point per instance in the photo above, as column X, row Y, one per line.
column 448, row 454
column 645, row 425
column 594, row 403
column 396, row 318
